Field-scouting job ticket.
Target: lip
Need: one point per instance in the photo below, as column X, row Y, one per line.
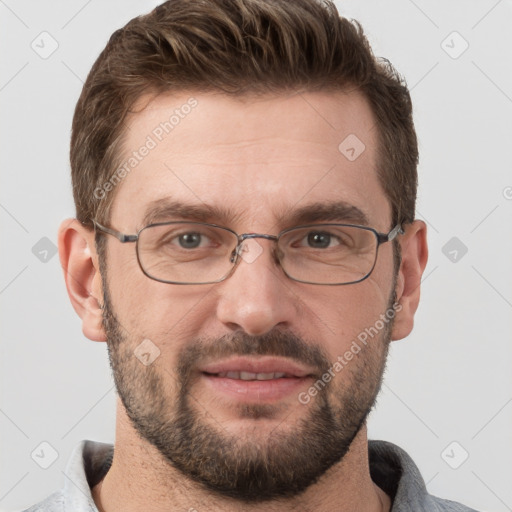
column 256, row 391
column 265, row 364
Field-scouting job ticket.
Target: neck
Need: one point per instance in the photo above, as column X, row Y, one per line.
column 140, row 479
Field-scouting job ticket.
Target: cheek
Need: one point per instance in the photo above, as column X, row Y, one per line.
column 165, row 313
column 127, row 285
column 338, row 319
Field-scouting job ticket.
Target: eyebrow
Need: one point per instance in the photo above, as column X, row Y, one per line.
column 334, row 211
column 163, row 210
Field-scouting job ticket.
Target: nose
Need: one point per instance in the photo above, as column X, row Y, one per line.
column 258, row 296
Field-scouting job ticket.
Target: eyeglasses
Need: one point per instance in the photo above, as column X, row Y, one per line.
column 201, row 253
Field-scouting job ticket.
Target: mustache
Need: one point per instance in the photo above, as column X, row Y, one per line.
column 274, row 343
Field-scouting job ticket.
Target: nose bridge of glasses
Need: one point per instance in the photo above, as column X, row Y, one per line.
column 247, row 236
column 241, row 247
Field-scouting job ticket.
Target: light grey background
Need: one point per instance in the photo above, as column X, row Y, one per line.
column 450, row 381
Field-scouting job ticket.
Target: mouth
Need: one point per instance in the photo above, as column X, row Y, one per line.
column 241, row 375
column 256, row 380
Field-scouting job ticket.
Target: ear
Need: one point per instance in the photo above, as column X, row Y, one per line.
column 79, row 262
column 414, row 250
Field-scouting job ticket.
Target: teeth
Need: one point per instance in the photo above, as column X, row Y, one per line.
column 266, row 376
column 248, row 375
column 252, row 376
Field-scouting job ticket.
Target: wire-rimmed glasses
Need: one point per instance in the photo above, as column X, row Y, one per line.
column 181, row 252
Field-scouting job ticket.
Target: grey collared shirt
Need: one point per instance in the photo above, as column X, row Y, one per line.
column 391, row 469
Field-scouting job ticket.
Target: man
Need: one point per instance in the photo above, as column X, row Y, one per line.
column 244, row 174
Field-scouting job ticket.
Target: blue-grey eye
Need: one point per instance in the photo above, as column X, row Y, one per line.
column 190, row 240
column 319, row 240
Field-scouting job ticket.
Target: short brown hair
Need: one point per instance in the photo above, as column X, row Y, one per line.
column 237, row 47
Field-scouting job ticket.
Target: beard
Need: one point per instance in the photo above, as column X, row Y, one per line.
column 246, row 467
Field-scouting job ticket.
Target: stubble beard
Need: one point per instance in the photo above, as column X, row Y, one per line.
column 291, row 458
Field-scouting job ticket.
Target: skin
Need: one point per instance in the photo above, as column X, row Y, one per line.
column 261, row 158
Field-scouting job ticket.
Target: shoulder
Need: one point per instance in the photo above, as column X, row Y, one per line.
column 450, row 506
column 87, row 465
column 58, row 502
column 53, row 503
column 394, row 471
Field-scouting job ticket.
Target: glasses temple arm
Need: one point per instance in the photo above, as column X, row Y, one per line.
column 383, row 237
column 120, row 236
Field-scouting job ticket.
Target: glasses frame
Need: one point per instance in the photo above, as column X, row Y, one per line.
column 381, row 238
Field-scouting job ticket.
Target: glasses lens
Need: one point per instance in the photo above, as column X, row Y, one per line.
column 186, row 252
column 328, row 253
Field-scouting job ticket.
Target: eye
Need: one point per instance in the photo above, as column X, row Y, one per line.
column 175, row 240
column 189, row 240
column 323, row 238
column 320, row 239
column 186, row 240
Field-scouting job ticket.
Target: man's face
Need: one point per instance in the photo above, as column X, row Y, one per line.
column 258, row 161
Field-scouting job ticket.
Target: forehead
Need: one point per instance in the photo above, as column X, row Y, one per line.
column 250, row 160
